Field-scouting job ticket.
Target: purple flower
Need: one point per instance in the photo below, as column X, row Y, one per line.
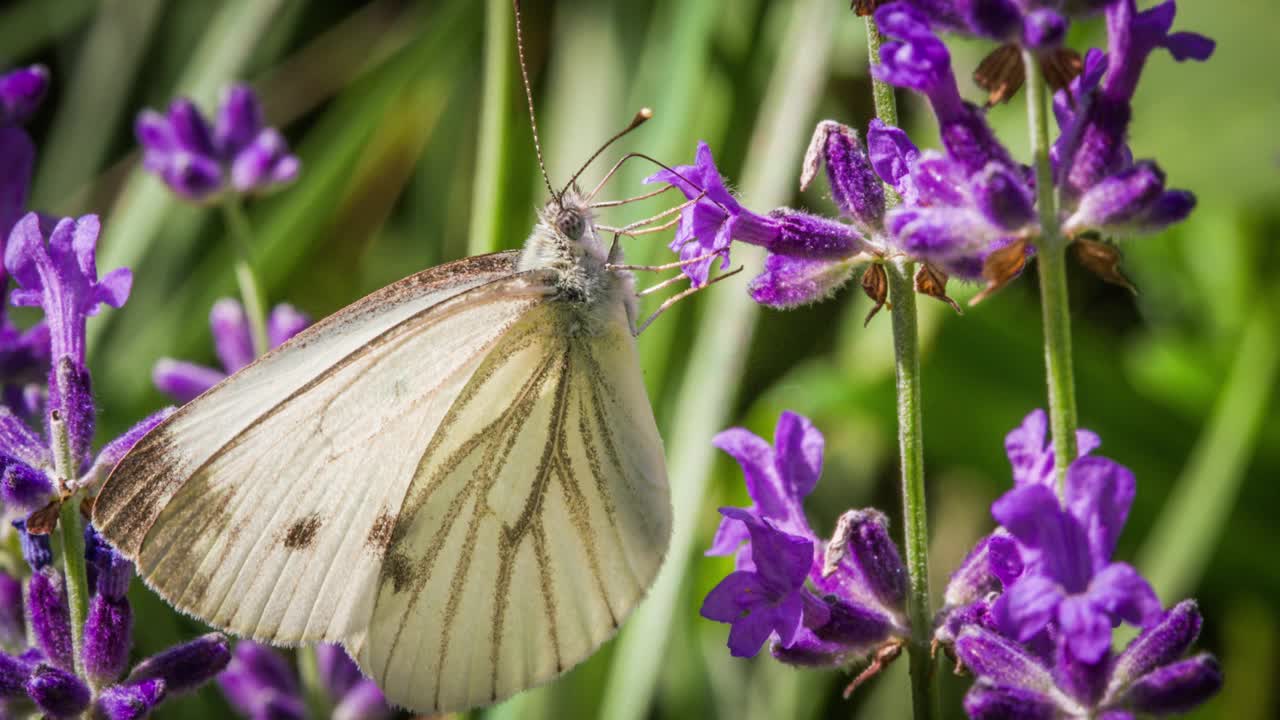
column 259, row 683
column 21, row 91
column 199, row 162
column 916, row 59
column 708, row 225
column 61, row 276
column 778, row 478
column 1070, row 578
column 859, row 572
column 771, row 597
column 232, row 341
column 188, row 666
column 1102, row 188
column 1147, row 677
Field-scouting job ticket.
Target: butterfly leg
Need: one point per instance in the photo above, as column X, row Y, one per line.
column 666, row 304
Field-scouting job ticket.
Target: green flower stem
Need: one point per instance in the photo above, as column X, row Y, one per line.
column 906, row 351
column 255, row 306
column 1051, row 254
column 72, row 539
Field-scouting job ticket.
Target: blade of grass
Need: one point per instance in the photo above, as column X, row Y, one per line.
column 97, row 88
column 140, row 212
column 1189, row 527
column 488, row 192
column 719, row 352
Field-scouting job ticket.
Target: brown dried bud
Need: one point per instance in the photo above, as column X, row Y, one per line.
column 862, row 8
column 876, row 285
column 933, row 282
column 1001, row 74
column 44, row 520
column 1001, row 267
column 1103, row 260
column 1060, row 66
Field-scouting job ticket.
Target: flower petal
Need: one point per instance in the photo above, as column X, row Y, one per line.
column 184, row 381
column 1125, row 595
column 798, row 448
column 995, row 658
column 1099, row 493
column 738, row 592
column 1027, row 606
column 1086, row 628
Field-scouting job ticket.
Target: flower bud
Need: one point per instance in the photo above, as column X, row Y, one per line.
column 187, row 666
column 50, row 617
column 58, row 692
column 107, row 636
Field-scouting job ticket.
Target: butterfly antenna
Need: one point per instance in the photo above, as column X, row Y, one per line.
column 644, row 115
column 528, row 95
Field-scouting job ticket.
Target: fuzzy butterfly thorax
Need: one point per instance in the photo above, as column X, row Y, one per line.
column 565, row 240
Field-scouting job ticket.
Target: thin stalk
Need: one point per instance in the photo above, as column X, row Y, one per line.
column 72, row 540
column 906, row 353
column 489, row 189
column 1051, row 254
column 250, row 289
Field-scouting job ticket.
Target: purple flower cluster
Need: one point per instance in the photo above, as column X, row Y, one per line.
column 960, row 206
column 261, row 685
column 200, row 161
column 49, row 678
column 183, row 381
column 819, row 603
column 1030, row 612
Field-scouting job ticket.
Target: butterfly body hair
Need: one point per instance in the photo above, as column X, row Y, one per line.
column 565, row 241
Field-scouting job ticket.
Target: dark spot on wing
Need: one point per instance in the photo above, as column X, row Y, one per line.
column 302, row 533
column 379, row 538
column 399, row 570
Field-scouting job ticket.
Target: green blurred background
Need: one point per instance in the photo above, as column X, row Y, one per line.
column 409, row 120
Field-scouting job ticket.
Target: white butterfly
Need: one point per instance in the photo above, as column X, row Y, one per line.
column 458, row 477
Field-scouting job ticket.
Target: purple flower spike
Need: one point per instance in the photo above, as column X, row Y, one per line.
column 363, row 702
column 198, row 162
column 130, row 702
column 769, row 599
column 231, row 335
column 338, row 672
column 989, row 701
column 13, row 626
column 17, row 162
column 62, row 277
column 1136, row 35
column 108, row 631
column 1176, row 688
column 21, row 92
column 188, row 666
column 855, row 187
column 284, row 322
column 916, row 59
column 58, row 692
column 22, row 486
column 184, row 381
column 50, row 617
column 258, row 677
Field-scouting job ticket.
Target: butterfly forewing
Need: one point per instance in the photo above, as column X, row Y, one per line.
column 265, row 506
column 536, row 520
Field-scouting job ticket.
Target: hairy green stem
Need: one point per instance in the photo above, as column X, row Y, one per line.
column 72, row 539
column 255, row 306
column 906, row 352
column 1051, row 254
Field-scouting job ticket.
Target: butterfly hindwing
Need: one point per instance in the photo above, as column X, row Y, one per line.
column 536, row 521
column 265, row 506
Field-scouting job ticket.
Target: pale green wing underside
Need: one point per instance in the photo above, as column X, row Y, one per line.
column 258, row 506
column 536, row 521
column 445, row 476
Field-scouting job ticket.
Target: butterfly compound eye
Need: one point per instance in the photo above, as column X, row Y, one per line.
column 570, row 224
